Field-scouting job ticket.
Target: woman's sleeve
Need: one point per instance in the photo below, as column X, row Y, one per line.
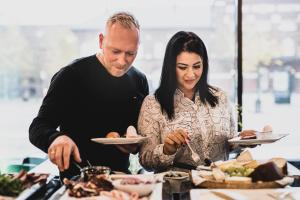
column 232, row 122
column 151, row 154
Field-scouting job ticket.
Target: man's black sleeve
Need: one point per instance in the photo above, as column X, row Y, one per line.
column 43, row 129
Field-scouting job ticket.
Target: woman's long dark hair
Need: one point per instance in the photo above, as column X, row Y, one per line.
column 182, row 42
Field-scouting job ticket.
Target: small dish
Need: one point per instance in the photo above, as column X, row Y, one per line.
column 176, row 175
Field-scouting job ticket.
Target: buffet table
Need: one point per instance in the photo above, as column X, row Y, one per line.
column 185, row 190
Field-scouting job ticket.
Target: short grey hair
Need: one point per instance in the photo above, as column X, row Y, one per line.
column 126, row 19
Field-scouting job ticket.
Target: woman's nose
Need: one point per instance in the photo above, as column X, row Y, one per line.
column 190, row 73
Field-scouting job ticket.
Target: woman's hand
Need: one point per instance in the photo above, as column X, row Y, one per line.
column 174, row 140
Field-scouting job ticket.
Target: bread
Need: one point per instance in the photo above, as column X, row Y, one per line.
column 131, row 132
column 252, row 164
column 206, row 174
column 245, row 156
column 281, row 163
column 218, row 174
column 223, row 165
column 267, row 128
column 266, row 172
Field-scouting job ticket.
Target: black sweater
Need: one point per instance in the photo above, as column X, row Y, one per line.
column 86, row 102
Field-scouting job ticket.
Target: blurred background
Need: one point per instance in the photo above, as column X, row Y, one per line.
column 37, row 38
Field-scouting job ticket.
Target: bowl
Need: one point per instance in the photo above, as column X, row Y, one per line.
column 88, row 172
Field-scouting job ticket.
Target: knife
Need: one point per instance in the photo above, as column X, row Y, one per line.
column 222, row 195
column 229, row 195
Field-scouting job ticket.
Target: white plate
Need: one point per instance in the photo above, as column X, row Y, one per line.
column 119, row 140
column 142, row 189
column 266, row 138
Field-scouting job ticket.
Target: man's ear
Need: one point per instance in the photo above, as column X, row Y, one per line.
column 101, row 38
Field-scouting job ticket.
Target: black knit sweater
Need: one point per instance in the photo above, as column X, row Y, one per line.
column 85, row 102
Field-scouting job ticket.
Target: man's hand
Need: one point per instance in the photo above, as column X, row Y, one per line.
column 60, row 151
column 174, row 140
column 128, row 148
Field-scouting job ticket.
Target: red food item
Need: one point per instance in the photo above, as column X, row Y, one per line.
column 248, row 137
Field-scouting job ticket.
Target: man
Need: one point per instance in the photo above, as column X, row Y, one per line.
column 95, row 96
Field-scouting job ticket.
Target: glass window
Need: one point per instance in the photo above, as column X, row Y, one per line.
column 45, row 36
column 271, row 68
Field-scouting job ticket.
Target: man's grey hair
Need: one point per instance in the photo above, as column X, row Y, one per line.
column 126, row 19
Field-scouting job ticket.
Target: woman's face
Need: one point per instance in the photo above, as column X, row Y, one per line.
column 189, row 68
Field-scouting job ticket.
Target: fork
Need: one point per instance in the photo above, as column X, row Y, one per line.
column 195, row 156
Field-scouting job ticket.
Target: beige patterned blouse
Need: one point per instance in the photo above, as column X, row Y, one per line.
column 209, row 129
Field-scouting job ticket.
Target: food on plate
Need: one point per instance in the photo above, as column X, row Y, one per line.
column 267, row 128
column 113, row 135
column 266, row 172
column 244, row 156
column 90, row 171
column 223, row 165
column 244, row 169
column 239, row 171
column 10, row 186
column 281, row 164
column 131, row 132
column 252, row 164
column 134, row 181
column 176, row 175
column 92, row 187
column 133, row 185
column 218, row 174
column 206, row 174
column 248, row 134
column 13, row 185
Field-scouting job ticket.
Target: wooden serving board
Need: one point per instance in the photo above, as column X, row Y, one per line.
column 212, row 184
column 239, row 185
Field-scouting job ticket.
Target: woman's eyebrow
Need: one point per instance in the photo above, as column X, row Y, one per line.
column 196, row 63
column 182, row 64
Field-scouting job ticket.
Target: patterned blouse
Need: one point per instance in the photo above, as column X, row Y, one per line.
column 209, row 129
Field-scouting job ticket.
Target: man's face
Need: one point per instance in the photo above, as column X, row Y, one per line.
column 119, row 46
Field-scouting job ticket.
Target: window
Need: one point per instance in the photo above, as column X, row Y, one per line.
column 46, row 36
column 271, row 68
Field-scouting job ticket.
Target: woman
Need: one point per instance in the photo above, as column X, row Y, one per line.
column 184, row 109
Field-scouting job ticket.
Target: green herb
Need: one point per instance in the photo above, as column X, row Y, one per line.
column 10, row 186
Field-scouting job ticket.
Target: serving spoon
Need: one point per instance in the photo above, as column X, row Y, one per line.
column 195, row 156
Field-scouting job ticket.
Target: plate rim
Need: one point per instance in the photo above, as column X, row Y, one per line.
column 237, row 140
column 120, row 140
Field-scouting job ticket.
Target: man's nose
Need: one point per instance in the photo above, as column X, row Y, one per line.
column 122, row 59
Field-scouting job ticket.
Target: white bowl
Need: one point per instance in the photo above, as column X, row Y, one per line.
column 142, row 189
